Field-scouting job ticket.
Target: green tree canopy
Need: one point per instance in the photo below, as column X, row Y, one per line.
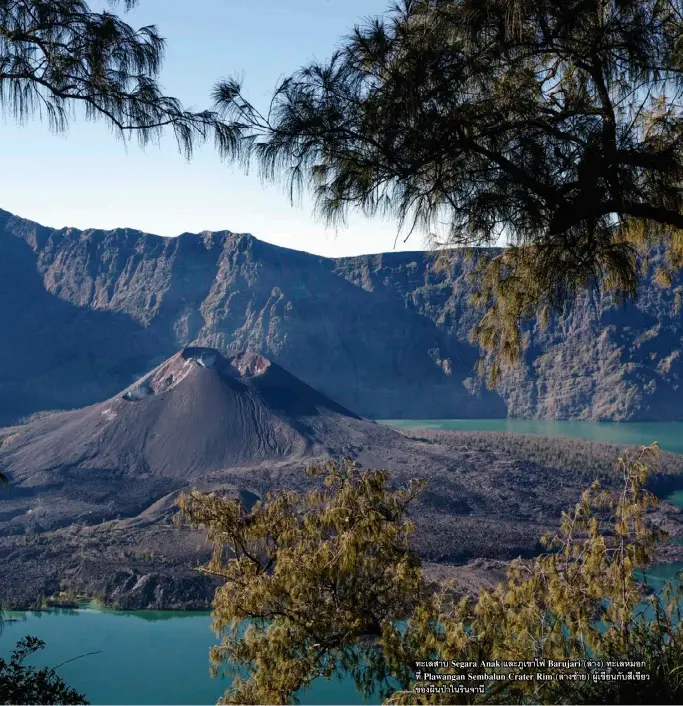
column 58, row 54
column 316, row 575
column 554, row 124
column 325, row 583
column 23, row 684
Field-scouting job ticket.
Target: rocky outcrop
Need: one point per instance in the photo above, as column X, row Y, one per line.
column 129, row 590
column 85, row 313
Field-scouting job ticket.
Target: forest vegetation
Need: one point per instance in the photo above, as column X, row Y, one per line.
column 553, row 126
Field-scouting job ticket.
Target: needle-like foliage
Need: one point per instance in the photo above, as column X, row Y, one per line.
column 553, row 125
column 56, row 55
column 315, row 576
column 325, row 584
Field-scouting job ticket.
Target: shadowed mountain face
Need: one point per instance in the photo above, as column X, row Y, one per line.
column 92, row 491
column 85, row 313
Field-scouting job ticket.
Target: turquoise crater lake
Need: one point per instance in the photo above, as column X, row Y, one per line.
column 669, row 435
column 158, row 657
column 154, row 657
column 143, row 657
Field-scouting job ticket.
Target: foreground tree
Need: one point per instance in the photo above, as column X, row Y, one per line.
column 21, row 684
column 56, row 55
column 554, row 124
column 316, row 576
column 326, row 584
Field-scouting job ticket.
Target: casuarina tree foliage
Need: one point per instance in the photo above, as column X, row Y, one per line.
column 314, row 575
column 325, row 584
column 56, row 55
column 552, row 125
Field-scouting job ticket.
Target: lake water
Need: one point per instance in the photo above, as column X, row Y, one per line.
column 144, row 657
column 158, row 657
column 154, row 657
column 669, row 435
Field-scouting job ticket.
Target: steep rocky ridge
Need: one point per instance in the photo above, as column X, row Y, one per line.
column 85, row 313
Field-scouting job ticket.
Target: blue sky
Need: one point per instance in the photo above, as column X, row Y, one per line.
column 87, row 178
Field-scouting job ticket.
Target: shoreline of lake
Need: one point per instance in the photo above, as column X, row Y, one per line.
column 669, row 435
column 162, row 656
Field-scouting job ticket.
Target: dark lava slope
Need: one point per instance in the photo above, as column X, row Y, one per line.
column 196, row 413
column 92, row 490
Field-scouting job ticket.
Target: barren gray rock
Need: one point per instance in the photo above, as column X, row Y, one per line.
column 85, row 313
column 93, row 490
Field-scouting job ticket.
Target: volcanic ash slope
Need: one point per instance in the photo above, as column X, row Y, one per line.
column 196, row 413
column 93, row 490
